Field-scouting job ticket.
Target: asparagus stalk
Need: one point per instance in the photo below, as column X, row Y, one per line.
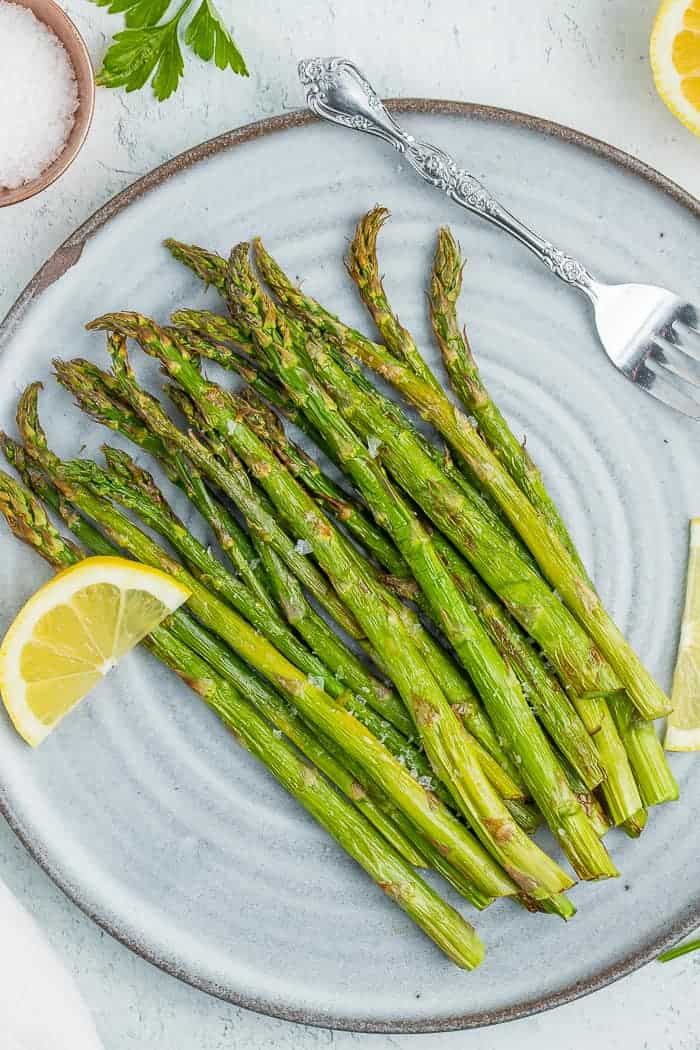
column 449, row 748
column 445, row 287
column 189, row 326
column 461, row 696
column 555, row 561
column 326, row 644
column 340, row 504
column 92, row 396
column 646, row 755
column 136, row 490
column 522, row 591
column 411, row 758
column 217, row 329
column 452, row 683
column 553, row 707
column 211, row 268
column 457, row 938
column 376, row 808
column 576, row 660
column 422, row 807
column 494, row 680
column 237, row 487
column 456, row 428
column 621, row 790
column 340, row 818
column 97, row 393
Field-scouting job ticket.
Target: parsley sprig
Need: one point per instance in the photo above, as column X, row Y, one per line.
column 149, row 48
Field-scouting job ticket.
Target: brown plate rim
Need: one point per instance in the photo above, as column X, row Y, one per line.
column 66, row 256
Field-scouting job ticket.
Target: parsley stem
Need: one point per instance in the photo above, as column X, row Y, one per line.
column 683, row 949
column 179, row 13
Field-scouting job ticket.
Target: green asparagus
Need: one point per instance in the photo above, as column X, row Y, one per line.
column 421, row 806
column 340, row 818
column 449, row 748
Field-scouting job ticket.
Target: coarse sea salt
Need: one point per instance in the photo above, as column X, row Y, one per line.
column 38, row 96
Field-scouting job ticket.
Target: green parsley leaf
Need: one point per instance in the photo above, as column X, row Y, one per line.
column 137, row 13
column 136, row 52
column 208, row 36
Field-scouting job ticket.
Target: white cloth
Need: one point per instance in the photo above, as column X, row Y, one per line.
column 40, row 1005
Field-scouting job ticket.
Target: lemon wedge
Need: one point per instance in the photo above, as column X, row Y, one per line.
column 675, row 59
column 73, row 631
column 683, row 724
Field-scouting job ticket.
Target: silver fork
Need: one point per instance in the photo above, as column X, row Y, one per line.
column 651, row 335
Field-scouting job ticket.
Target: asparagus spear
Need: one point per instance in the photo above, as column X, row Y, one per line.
column 546, row 695
column 422, row 807
column 218, row 329
column 445, row 287
column 237, row 488
column 523, row 592
column 144, row 498
column 621, row 792
column 97, row 393
column 657, row 783
column 211, row 268
column 411, row 758
column 449, row 748
column 323, row 641
column 577, row 662
column 441, row 922
column 341, row 819
column 553, row 707
column 437, row 408
column 646, row 755
column 91, row 396
column 554, row 559
column 520, row 588
column 494, row 679
column 377, row 808
column 461, row 696
column 136, row 490
column 340, row 504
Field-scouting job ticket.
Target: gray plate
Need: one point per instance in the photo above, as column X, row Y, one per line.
column 141, row 807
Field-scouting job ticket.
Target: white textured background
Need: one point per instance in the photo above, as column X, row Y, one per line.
column 581, row 62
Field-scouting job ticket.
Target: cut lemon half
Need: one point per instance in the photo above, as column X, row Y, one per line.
column 73, row 631
column 683, row 724
column 675, row 59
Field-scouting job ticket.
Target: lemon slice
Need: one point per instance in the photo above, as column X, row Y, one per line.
column 683, row 724
column 73, row 631
column 675, row 59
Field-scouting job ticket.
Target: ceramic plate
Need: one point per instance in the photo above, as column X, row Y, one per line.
column 141, row 807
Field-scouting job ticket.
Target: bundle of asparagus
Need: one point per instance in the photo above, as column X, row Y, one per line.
column 464, row 682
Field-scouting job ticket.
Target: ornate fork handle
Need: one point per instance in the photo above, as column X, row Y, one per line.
column 337, row 91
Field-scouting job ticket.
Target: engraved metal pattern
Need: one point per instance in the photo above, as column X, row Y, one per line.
column 563, row 265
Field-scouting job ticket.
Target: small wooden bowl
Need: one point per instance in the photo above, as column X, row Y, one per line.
column 58, row 21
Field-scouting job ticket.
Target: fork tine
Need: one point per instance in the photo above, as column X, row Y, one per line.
column 675, row 358
column 688, row 314
column 687, row 332
column 673, row 391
